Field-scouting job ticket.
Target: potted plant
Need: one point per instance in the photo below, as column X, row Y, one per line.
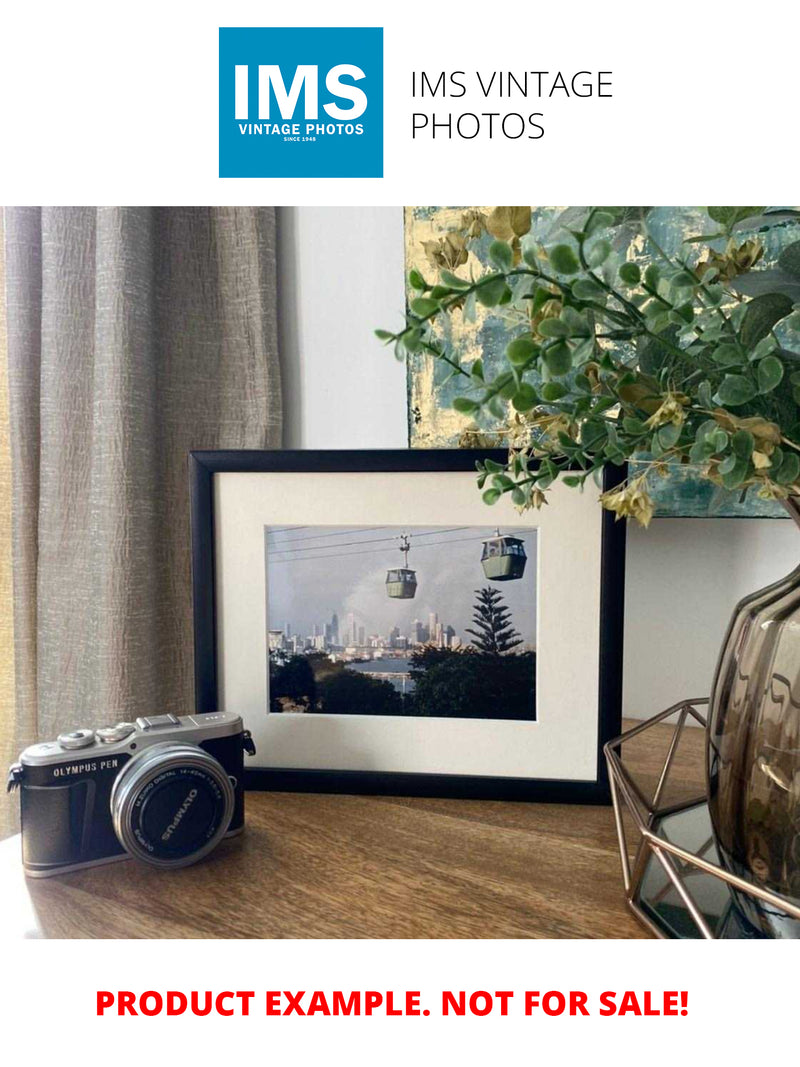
column 693, row 359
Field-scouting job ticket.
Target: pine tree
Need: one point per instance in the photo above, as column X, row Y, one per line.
column 494, row 634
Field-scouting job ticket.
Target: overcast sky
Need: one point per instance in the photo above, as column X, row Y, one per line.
column 313, row 571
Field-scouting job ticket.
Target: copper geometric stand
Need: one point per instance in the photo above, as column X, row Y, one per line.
column 674, row 885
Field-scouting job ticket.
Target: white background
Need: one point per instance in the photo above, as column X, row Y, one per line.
column 110, row 104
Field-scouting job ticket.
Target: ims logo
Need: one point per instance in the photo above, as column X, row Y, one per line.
column 300, row 103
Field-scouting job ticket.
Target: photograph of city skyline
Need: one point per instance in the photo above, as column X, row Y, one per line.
column 379, row 620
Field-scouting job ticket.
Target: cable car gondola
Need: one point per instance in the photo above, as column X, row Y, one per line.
column 503, row 558
column 401, row 583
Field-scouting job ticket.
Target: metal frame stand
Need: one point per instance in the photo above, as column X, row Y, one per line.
column 678, row 863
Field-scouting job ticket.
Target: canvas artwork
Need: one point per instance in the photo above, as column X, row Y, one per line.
column 456, row 238
column 420, row 621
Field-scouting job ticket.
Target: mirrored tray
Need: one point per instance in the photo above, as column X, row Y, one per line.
column 673, row 879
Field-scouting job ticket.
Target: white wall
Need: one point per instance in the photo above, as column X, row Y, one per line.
column 341, row 274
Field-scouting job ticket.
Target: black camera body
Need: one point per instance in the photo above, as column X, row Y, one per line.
column 164, row 789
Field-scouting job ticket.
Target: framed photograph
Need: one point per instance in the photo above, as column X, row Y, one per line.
column 381, row 630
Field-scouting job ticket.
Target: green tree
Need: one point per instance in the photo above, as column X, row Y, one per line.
column 468, row 684
column 293, row 681
column 495, row 634
column 352, row 693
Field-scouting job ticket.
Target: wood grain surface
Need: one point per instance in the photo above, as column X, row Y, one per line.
column 311, row 866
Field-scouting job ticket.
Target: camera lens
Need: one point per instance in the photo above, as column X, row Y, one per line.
column 172, row 804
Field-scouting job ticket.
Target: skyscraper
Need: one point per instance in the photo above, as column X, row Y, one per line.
column 335, row 628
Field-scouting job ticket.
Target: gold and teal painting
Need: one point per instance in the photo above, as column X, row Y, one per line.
column 458, row 238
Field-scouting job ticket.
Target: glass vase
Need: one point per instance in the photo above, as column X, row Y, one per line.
column 753, row 749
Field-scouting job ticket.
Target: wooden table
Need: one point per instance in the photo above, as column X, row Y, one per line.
column 359, row 867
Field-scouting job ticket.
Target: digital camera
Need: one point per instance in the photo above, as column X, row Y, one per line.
column 164, row 789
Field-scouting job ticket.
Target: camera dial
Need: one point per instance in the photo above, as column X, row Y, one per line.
column 172, row 805
column 108, row 735
column 76, row 739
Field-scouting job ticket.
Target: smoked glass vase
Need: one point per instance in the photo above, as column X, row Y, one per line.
column 753, row 749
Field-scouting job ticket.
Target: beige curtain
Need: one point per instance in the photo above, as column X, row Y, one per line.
column 133, row 336
column 9, row 734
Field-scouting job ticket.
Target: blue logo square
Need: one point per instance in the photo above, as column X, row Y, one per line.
column 300, row 103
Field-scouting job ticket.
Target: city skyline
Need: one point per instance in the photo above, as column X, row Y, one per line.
column 328, row 584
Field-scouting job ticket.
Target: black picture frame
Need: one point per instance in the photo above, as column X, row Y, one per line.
column 204, row 465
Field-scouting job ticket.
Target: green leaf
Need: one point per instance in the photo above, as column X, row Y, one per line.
column 733, row 478
column 453, row 280
column 412, row 340
column 704, row 394
column 553, row 391
column 572, row 480
column 654, row 353
column 415, row 279
column 761, row 314
column 743, row 444
column 633, row 425
column 423, row 306
column 684, row 280
column 717, row 440
column 594, row 434
column 525, row 398
column 563, row 259
column 668, row 435
column 491, row 496
column 789, row 470
column 465, row 405
column 500, row 255
column 577, row 323
column 630, row 274
column 518, row 497
column 652, row 276
column 789, row 259
column 735, row 389
column 521, row 351
column 530, row 252
column 770, row 374
column 586, row 289
column 558, row 358
column 384, row 335
column 729, row 216
column 553, row 328
column 493, row 467
column 491, row 293
column 728, row 355
column 476, row 370
column 598, row 253
column 764, row 282
column 600, row 220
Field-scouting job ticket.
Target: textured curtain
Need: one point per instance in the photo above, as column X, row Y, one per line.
column 8, row 732
column 133, row 336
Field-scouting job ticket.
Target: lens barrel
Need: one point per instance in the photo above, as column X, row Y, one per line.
column 172, row 804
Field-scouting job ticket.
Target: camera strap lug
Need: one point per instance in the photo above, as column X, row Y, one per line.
column 247, row 743
column 15, row 773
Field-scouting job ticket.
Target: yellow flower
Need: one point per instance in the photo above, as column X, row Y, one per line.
column 632, row 501
column 671, row 410
column 733, row 260
column 449, row 251
column 536, row 499
column 473, row 222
